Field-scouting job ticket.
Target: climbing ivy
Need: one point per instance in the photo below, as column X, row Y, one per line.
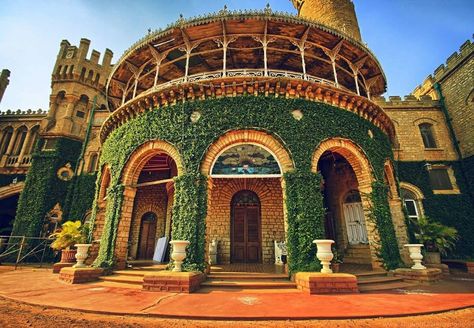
column 387, row 248
column 274, row 115
column 80, row 196
column 451, row 210
column 305, row 217
column 43, row 189
column 190, row 204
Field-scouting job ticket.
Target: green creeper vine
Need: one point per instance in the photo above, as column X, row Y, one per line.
column 43, row 189
column 305, row 217
column 387, row 249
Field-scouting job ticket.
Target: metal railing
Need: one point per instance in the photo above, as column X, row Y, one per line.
column 21, row 250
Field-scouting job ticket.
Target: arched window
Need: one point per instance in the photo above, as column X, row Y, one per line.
column 92, row 163
column 83, row 74
column 20, row 140
column 427, row 135
column 246, row 159
column 6, row 138
column 412, row 203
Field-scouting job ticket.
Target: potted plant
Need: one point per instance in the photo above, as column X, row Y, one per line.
column 437, row 238
column 337, row 260
column 70, row 233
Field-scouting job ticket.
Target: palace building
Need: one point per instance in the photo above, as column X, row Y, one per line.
column 245, row 128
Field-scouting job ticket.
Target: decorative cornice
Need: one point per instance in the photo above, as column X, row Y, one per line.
column 286, row 87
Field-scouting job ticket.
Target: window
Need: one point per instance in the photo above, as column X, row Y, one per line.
column 92, row 163
column 80, row 114
column 411, row 204
column 439, row 179
column 246, row 159
column 427, row 135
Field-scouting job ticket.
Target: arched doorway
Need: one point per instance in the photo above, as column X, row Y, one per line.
column 345, row 217
column 146, row 246
column 151, row 218
column 246, row 228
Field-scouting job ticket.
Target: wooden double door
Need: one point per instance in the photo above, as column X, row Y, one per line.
column 245, row 228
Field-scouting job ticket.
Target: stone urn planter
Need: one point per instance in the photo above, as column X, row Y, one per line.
column 416, row 256
column 179, row 253
column 324, row 253
column 432, row 258
column 81, row 255
column 68, row 255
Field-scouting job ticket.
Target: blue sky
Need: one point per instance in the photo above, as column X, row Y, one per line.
column 410, row 37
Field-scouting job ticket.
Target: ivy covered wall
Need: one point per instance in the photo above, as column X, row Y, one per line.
column 452, row 210
column 273, row 115
column 43, row 189
column 80, row 196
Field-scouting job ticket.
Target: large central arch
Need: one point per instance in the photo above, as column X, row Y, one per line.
column 269, row 189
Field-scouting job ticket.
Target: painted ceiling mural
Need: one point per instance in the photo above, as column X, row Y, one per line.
column 246, row 159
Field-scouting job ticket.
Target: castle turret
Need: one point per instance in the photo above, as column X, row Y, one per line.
column 337, row 14
column 76, row 80
column 4, row 81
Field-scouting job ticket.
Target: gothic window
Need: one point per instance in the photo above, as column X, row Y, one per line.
column 427, row 135
column 246, row 159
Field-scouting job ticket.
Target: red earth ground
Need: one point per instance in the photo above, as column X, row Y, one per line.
column 18, row 315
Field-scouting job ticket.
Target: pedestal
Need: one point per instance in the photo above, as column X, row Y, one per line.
column 324, row 283
column 169, row 281
column 79, row 275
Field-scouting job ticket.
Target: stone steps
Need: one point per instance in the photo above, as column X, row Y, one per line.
column 379, row 281
column 221, row 280
column 249, row 284
column 120, row 278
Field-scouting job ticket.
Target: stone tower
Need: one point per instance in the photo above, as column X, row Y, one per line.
column 337, row 14
column 76, row 80
column 4, row 81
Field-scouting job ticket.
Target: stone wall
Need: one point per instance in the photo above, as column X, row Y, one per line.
column 218, row 222
column 407, row 115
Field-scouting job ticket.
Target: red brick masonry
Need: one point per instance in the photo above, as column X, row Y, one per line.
column 168, row 281
column 79, row 275
column 324, row 283
column 422, row 276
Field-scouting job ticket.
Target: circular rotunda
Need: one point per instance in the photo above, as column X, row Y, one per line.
column 248, row 128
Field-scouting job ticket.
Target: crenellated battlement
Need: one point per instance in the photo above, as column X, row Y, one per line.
column 408, row 101
column 72, row 64
column 28, row 112
column 426, row 88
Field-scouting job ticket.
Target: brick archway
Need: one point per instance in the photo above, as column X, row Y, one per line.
column 145, row 152
column 364, row 174
column 353, row 154
column 247, row 136
column 129, row 178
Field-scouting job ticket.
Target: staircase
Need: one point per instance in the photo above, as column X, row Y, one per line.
column 379, row 281
column 357, row 254
column 234, row 280
column 130, row 278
